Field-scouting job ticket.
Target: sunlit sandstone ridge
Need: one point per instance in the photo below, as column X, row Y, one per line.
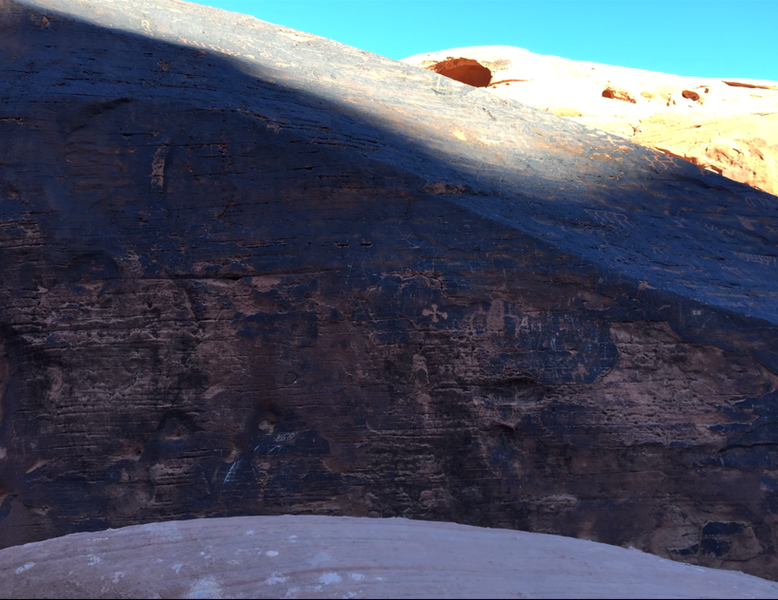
column 727, row 125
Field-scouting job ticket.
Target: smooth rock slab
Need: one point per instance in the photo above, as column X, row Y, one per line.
column 344, row 557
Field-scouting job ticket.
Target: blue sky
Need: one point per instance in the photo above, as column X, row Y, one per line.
column 707, row 38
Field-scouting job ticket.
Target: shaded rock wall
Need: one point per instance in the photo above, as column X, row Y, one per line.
column 244, row 270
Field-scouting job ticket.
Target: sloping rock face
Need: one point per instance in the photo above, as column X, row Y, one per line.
column 245, row 270
column 306, row 556
column 729, row 126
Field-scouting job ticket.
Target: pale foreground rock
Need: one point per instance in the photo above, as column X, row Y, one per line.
column 729, row 125
column 344, row 557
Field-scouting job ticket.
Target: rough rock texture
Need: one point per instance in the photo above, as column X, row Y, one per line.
column 729, row 126
column 245, row 270
column 344, row 557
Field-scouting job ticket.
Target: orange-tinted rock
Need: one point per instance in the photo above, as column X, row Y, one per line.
column 726, row 125
column 742, row 147
column 464, row 70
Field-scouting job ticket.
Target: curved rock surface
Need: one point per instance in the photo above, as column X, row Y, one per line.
column 729, row 126
column 246, row 270
column 342, row 557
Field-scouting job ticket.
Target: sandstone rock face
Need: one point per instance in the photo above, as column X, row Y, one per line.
column 729, row 126
column 336, row 557
column 245, row 270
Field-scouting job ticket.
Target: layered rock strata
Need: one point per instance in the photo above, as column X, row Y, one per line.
column 246, row 270
column 728, row 125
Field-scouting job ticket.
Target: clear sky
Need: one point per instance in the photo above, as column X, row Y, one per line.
column 706, row 38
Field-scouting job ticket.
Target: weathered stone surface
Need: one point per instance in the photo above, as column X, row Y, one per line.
column 336, row 557
column 729, row 126
column 245, row 270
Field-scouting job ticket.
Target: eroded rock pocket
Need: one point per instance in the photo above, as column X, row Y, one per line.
column 464, row 70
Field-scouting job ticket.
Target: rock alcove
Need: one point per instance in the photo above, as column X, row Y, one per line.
column 464, row 70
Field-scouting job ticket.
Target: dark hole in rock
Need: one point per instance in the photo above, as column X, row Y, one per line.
column 750, row 85
column 690, row 95
column 617, row 94
column 464, row 70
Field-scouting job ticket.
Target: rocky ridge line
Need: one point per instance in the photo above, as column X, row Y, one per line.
column 727, row 125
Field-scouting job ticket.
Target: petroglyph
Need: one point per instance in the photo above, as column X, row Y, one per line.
column 721, row 230
column 609, row 217
column 768, row 261
column 158, row 168
column 435, row 313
